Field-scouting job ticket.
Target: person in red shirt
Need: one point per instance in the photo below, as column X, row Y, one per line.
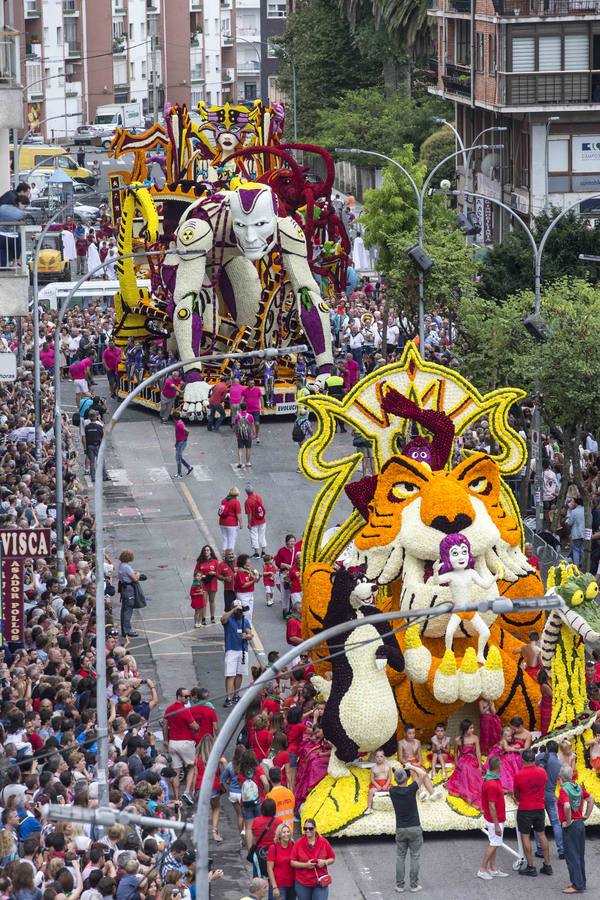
column 181, row 436
column 268, row 577
column 531, row 557
column 179, row 729
column 574, row 806
column 203, row 713
column 295, row 581
column 271, row 702
column 81, row 249
column 261, row 740
column 294, row 732
column 529, row 784
column 257, row 521
column 310, row 857
column 80, row 371
column 281, row 757
column 216, row 404
column 206, row 568
column 494, row 818
column 243, row 583
column 171, row 390
column 263, row 834
column 230, row 521
column 293, row 630
column 284, row 560
column 279, row 863
column 226, row 573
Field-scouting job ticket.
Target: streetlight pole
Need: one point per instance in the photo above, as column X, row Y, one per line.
column 101, row 710
column 499, row 605
column 37, row 389
column 420, row 195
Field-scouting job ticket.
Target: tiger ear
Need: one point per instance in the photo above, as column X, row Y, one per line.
column 479, row 465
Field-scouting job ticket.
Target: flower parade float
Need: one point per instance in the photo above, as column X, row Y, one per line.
column 434, row 525
column 259, row 244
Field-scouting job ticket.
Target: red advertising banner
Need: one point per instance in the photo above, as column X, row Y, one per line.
column 13, row 616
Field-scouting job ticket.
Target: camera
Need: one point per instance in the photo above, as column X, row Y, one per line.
column 245, row 609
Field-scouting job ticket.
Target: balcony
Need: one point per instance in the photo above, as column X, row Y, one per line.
column 73, row 49
column 429, row 71
column 32, row 9
column 248, row 34
column 226, row 40
column 457, row 80
column 70, row 8
column 550, row 88
column 119, row 46
column 33, row 51
column 542, row 8
column 248, row 67
column 459, row 6
column 119, row 7
column 72, row 88
column 195, row 5
column 227, row 75
column 196, row 73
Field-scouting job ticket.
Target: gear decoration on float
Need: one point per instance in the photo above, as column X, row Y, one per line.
column 422, row 492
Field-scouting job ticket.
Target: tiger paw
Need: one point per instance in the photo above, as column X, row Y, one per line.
column 492, row 675
column 445, row 681
column 417, row 658
column 469, row 679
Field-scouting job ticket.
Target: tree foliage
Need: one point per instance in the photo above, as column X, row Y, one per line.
column 391, row 220
column 405, row 20
column 508, row 266
column 437, row 147
column 369, row 120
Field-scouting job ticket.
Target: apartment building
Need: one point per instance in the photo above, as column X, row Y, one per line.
column 77, row 55
column 532, row 67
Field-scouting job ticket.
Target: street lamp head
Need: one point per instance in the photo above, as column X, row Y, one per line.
column 346, row 150
column 445, row 185
column 501, row 128
column 439, row 121
column 553, row 119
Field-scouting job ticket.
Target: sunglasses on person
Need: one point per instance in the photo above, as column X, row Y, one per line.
column 308, row 828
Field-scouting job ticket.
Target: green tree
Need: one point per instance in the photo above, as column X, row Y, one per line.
column 495, row 349
column 369, row 120
column 327, row 59
column 405, row 20
column 437, row 147
column 390, row 220
column 508, row 266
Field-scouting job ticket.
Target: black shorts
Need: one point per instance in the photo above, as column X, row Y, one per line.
column 531, row 818
column 244, row 442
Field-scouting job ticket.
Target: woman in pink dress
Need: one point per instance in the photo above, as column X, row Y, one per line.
column 510, row 758
column 490, row 726
column 466, row 780
column 313, row 760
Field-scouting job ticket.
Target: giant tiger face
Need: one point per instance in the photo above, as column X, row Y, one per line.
column 413, row 508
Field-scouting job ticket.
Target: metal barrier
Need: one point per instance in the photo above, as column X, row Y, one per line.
column 545, row 552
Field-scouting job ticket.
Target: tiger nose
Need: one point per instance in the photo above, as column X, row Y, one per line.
column 442, row 523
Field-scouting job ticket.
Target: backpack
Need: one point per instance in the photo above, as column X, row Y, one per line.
column 297, row 433
column 259, row 511
column 222, row 509
column 243, row 427
column 249, row 791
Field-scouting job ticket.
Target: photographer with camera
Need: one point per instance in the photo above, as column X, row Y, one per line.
column 409, row 834
column 237, row 632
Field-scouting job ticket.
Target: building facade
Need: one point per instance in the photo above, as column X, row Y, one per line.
column 533, row 68
column 76, row 55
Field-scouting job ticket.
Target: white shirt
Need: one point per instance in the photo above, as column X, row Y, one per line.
column 356, row 341
column 591, row 444
column 393, row 334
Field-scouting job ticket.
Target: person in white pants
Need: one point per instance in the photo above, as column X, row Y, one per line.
column 257, row 522
column 243, row 583
column 230, row 518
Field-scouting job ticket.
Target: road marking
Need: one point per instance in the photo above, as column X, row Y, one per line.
column 256, row 642
column 119, row 476
column 200, row 473
column 239, row 473
column 159, row 475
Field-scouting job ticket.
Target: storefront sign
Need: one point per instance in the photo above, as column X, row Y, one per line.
column 12, row 600
column 8, row 367
column 586, row 182
column 21, row 544
column 586, row 152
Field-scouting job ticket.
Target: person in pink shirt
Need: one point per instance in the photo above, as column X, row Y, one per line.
column 181, row 436
column 47, row 355
column 79, row 372
column 111, row 359
column 236, row 392
column 171, row 389
column 253, row 397
column 350, row 373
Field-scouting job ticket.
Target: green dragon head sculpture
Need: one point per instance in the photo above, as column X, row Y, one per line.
column 582, row 614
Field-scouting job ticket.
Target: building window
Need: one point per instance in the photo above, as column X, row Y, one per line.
column 276, row 9
column 142, row 30
column 558, row 155
column 143, row 68
column 549, row 52
column 118, row 29
column 132, row 70
column 463, row 43
column 523, row 54
column 58, row 34
column 249, row 91
column 577, row 52
column 131, row 31
column 479, row 51
column 271, row 49
column 492, row 54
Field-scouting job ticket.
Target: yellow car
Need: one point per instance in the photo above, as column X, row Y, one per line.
column 44, row 158
column 52, row 265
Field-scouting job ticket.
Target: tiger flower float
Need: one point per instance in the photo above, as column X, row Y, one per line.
column 400, row 517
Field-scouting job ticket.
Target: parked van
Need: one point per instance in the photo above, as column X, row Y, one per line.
column 32, row 155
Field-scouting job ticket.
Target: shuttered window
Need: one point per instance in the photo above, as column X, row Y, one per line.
column 577, row 52
column 523, row 54
column 549, row 53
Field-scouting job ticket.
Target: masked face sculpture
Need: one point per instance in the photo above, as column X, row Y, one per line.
column 254, row 220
